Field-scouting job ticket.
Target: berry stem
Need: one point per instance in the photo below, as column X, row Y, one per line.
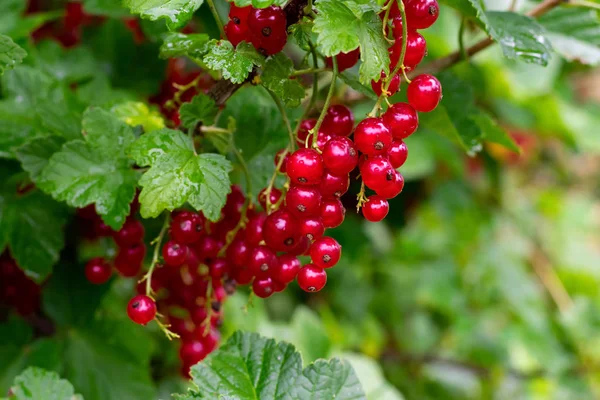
column 241, row 224
column 208, row 307
column 315, row 131
column 461, row 39
column 272, row 181
column 165, row 328
column 583, row 3
column 215, row 14
column 308, row 71
column 386, row 18
column 157, row 243
column 361, row 197
column 181, row 89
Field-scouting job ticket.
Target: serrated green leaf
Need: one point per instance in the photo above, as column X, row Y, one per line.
column 302, row 33
column 11, row 54
column 344, row 26
column 36, row 384
column 28, row 84
column 177, row 44
column 276, row 77
column 201, row 109
column 16, row 127
column 328, row 379
column 66, row 65
column 59, row 119
column 235, row 64
column 492, row 132
column 136, row 113
column 35, row 153
column 177, row 175
column 176, row 12
column 106, row 132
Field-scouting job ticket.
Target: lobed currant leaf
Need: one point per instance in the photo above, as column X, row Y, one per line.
column 276, row 78
column 302, row 33
column 135, row 113
column 177, row 44
column 11, row 54
column 36, row 383
column 202, row 109
column 35, row 154
column 234, row 63
column 177, row 174
column 176, row 12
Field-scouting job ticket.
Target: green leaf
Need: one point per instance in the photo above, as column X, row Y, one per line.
column 32, row 226
column 201, row 109
column 28, row 84
column 259, row 3
column 467, row 8
column 67, row 65
column 352, row 81
column 276, row 77
column 176, row 12
column 177, row 175
column 36, row 384
column 15, row 24
column 574, row 33
column 250, row 367
column 94, row 170
column 35, row 153
column 108, row 8
column 177, row 44
column 10, row 54
column 302, row 33
column 235, row 64
column 136, row 113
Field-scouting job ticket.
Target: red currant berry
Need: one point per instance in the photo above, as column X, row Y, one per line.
column 192, row 352
column 287, row 268
column 312, row 228
column 325, row 252
column 133, row 254
column 377, row 86
column 401, row 119
column 126, row 268
column 377, row 172
column 393, row 188
column 332, row 213
column 141, row 309
column 301, row 248
column 376, row 208
column 187, row 227
column 278, row 286
column 280, row 230
column 322, row 139
column 242, row 276
column 267, row 27
column 372, row 136
column 239, row 15
column 421, row 14
column 424, row 93
column 263, row 261
column 263, row 288
column 207, row 248
column 303, row 133
column 98, row 271
column 334, row 185
column 278, row 159
column 174, row 253
column 338, row 121
column 274, row 197
column 340, row 156
column 303, row 201
column 305, row 167
column 311, row 278
column 416, row 47
column 254, row 229
column 344, row 60
column 131, row 233
column 219, row 268
column 235, row 33
column 398, row 153
column 238, row 252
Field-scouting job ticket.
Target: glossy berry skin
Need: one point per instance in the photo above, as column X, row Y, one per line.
column 424, row 93
column 263, row 288
column 274, row 197
column 187, row 227
column 141, row 309
column 98, row 271
column 262, row 262
column 267, row 28
column 254, row 229
column 305, row 126
column 174, row 253
column 239, row 15
column 344, row 60
column 133, row 254
column 131, row 233
column 377, row 172
column 126, row 268
column 207, row 248
column 372, row 136
column 287, row 268
column 421, row 14
column 325, row 252
column 303, row 201
column 281, row 153
column 340, row 156
column 393, row 88
column 401, row 119
column 416, row 47
column 332, row 213
column 235, row 33
column 334, row 185
column 311, row 278
column 281, row 231
column 397, row 153
column 393, row 188
column 305, row 167
column 192, row 352
column 312, row 228
column 375, row 209
column 238, row 253
column 301, row 248
column 219, row 268
column 338, row 121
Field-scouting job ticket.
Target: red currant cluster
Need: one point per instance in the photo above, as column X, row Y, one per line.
column 16, row 289
column 265, row 28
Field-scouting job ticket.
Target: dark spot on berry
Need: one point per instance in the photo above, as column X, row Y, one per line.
column 198, row 228
column 266, row 31
column 310, row 236
column 301, row 207
column 378, row 145
column 136, row 304
column 352, row 152
column 302, row 180
column 230, row 285
column 288, row 241
column 432, row 10
column 326, row 258
column 175, row 247
column 268, row 290
column 236, row 20
column 264, row 267
column 216, row 306
column 312, row 289
column 337, row 194
column 389, row 176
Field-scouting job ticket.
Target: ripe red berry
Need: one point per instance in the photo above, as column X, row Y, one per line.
column 377, row 86
column 262, row 262
column 303, row 201
column 192, row 352
column 421, row 14
column 325, row 252
column 424, row 93
column 127, row 268
column 338, row 121
column 131, row 233
column 207, row 248
column 305, row 126
column 239, row 15
column 416, row 47
column 187, row 227
column 263, row 287
column 340, row 156
column 397, row 153
column 322, row 139
column 301, row 248
column 281, row 231
column 311, row 278
column 372, row 136
column 393, row 188
column 238, row 252
column 235, row 33
column 219, row 268
column 287, row 268
column 141, row 309
column 332, row 213
column 174, row 253
column 97, row 271
column 312, row 228
column 133, row 254
column 254, row 229
column 401, row 119
column 334, row 185
column 267, row 28
column 377, row 172
column 274, row 197
column 376, row 208
column 305, row 167
column 344, row 60
column 277, row 159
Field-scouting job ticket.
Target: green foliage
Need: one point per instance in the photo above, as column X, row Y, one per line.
column 234, row 63
column 276, row 78
column 35, row 383
column 201, row 109
column 177, row 13
column 10, row 54
column 258, row 3
column 179, row 44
